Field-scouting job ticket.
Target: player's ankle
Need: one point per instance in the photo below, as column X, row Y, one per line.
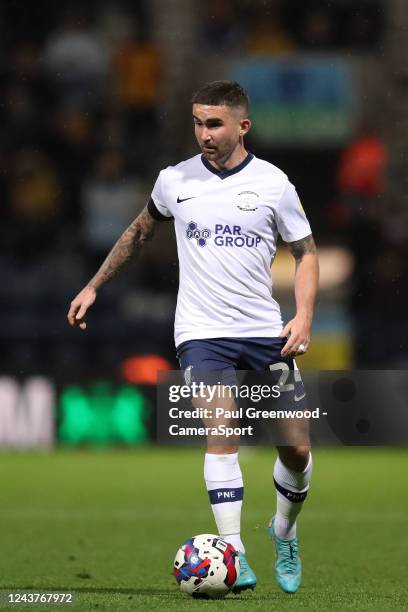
column 284, row 529
column 235, row 540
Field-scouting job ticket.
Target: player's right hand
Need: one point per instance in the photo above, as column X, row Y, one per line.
column 79, row 306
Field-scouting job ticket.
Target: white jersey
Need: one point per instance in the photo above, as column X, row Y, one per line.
column 227, row 224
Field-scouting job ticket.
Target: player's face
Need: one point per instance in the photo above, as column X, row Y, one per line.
column 219, row 130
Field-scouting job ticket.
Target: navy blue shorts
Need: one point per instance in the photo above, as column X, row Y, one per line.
column 232, row 353
column 216, row 360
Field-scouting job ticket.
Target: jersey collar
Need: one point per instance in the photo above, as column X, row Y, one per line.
column 222, row 174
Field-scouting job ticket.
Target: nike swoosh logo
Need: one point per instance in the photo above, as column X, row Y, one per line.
column 185, row 199
column 297, row 399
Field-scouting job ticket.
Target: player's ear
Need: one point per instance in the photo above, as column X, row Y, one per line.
column 244, row 126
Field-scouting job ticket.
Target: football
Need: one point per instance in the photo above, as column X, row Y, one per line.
column 206, row 566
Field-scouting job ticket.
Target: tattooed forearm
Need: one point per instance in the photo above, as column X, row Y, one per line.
column 138, row 232
column 302, row 247
column 306, row 276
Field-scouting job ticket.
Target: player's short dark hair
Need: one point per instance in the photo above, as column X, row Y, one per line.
column 222, row 93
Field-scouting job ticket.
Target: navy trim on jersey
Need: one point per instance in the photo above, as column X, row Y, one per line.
column 155, row 212
column 226, row 173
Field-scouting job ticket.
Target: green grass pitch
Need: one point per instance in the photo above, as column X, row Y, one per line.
column 106, row 525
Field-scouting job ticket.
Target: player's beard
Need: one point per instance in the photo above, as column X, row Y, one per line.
column 219, row 154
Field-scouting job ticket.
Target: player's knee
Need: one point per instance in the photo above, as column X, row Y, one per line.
column 295, row 457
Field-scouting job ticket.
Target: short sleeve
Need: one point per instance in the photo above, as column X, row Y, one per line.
column 157, row 205
column 290, row 217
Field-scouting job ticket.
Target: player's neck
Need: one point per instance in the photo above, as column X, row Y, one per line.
column 234, row 160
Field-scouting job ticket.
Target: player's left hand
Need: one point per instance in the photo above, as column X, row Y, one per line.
column 298, row 332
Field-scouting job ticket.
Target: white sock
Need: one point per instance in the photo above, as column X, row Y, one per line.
column 291, row 491
column 223, row 479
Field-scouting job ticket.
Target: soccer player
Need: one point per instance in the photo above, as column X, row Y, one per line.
column 228, row 208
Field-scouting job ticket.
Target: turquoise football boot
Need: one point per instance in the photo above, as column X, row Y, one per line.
column 247, row 578
column 288, row 566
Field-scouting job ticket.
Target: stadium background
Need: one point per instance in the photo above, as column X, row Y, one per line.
column 94, row 102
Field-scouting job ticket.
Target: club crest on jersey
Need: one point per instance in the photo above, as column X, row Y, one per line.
column 201, row 235
column 247, row 200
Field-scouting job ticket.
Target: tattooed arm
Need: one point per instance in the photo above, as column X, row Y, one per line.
column 306, row 282
column 138, row 232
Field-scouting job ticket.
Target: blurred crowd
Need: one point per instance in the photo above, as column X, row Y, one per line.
column 375, row 229
column 81, row 88
column 256, row 26
column 80, row 129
